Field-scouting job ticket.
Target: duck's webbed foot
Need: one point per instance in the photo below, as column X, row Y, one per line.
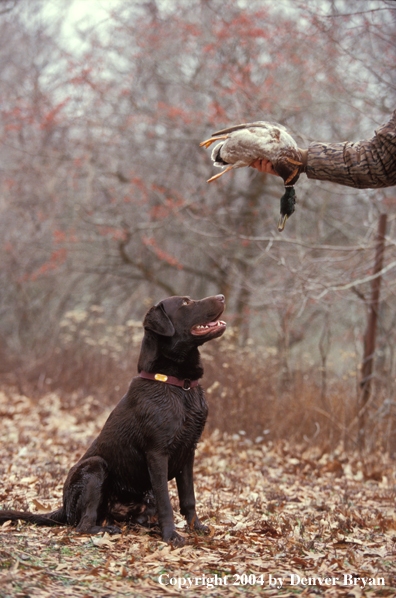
column 209, row 142
column 217, row 176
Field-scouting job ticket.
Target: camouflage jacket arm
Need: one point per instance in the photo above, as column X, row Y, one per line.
column 364, row 164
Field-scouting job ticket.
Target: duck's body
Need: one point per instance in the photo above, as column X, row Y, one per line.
column 243, row 144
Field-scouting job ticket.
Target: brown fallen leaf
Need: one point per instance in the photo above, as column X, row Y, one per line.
column 104, row 540
column 267, row 514
column 41, row 507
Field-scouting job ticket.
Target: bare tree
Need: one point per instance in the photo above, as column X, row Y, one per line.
column 104, row 193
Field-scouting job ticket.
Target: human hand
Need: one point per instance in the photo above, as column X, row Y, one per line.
column 264, row 165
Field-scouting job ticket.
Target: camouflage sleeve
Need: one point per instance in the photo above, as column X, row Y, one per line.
column 365, row 164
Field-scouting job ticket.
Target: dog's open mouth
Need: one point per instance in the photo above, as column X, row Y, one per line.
column 200, row 329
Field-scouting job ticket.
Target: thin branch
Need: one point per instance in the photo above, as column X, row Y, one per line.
column 354, row 283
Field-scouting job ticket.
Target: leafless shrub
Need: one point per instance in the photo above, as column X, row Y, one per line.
column 245, row 387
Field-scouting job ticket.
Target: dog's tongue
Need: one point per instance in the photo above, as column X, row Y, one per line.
column 204, row 328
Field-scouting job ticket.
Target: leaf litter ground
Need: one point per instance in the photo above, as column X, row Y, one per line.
column 285, row 520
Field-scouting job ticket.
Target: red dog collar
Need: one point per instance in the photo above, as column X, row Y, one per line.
column 185, row 384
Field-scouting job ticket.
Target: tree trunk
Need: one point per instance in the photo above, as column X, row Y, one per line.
column 369, row 341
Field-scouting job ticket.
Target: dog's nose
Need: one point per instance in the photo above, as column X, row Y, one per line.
column 220, row 298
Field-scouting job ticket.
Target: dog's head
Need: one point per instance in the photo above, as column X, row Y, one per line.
column 177, row 325
column 181, row 317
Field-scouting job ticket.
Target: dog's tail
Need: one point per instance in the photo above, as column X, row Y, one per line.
column 50, row 519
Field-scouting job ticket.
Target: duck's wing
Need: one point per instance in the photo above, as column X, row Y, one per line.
column 259, row 123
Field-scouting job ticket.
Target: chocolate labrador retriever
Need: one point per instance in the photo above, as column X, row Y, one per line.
column 151, row 435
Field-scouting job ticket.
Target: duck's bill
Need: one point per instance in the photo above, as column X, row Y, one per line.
column 282, row 222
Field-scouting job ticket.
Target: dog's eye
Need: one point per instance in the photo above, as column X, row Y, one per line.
column 185, row 302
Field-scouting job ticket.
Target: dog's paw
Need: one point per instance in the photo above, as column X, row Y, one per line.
column 196, row 526
column 97, row 529
column 172, row 537
column 177, row 541
column 201, row 528
column 111, row 529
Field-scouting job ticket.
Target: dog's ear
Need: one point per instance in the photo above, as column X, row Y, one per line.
column 157, row 320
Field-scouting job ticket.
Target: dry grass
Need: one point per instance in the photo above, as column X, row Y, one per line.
column 248, row 389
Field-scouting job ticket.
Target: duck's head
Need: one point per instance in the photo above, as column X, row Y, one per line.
column 287, row 206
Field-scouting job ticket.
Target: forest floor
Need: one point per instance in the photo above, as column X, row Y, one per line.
column 284, row 520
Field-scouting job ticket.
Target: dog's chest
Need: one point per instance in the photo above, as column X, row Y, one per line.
column 153, row 416
column 191, row 411
column 190, row 422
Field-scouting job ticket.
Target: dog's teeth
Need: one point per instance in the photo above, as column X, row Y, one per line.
column 207, row 326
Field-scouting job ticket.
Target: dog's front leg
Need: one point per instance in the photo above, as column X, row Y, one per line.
column 185, row 487
column 158, row 469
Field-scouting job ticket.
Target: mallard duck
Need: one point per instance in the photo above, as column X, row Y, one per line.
column 243, row 144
